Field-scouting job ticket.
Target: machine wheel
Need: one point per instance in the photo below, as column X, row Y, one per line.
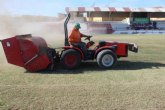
column 106, row 59
column 70, row 59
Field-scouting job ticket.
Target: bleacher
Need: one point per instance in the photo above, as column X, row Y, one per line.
column 100, row 27
column 147, row 26
column 161, row 25
column 118, row 25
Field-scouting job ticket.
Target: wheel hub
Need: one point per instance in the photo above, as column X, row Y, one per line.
column 107, row 60
column 70, row 60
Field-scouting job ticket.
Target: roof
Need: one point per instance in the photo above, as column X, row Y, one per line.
column 114, row 9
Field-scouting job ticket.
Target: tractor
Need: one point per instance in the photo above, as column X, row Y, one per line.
column 33, row 53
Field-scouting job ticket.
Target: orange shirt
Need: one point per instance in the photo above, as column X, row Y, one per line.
column 75, row 36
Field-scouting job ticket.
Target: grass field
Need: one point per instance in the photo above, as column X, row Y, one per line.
column 136, row 83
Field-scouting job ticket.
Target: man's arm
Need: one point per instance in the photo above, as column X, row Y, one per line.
column 83, row 35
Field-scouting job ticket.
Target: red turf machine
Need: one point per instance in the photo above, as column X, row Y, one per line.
column 33, row 54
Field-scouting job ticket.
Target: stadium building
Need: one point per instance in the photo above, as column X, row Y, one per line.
column 111, row 20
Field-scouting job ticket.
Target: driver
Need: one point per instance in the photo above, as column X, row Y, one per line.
column 75, row 38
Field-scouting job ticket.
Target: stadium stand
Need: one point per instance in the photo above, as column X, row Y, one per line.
column 161, row 25
column 100, row 27
column 124, row 20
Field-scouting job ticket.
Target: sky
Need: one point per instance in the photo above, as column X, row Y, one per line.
column 53, row 7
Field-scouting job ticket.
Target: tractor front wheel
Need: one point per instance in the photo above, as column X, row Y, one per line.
column 106, row 59
column 70, row 59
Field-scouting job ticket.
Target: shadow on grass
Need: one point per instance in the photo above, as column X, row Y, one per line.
column 92, row 66
column 128, row 65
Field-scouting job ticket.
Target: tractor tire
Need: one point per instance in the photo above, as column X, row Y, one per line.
column 70, row 59
column 106, row 59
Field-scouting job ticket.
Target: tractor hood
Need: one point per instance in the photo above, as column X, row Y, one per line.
column 131, row 46
column 122, row 48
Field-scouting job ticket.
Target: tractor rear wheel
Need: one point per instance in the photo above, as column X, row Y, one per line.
column 106, row 59
column 70, row 59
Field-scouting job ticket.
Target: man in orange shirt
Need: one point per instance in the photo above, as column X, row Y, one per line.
column 75, row 38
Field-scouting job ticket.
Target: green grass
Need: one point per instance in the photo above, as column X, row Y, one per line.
column 136, row 83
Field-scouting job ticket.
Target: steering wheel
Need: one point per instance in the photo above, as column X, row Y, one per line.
column 88, row 38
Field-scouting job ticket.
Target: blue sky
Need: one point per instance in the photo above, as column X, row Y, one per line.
column 52, row 7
